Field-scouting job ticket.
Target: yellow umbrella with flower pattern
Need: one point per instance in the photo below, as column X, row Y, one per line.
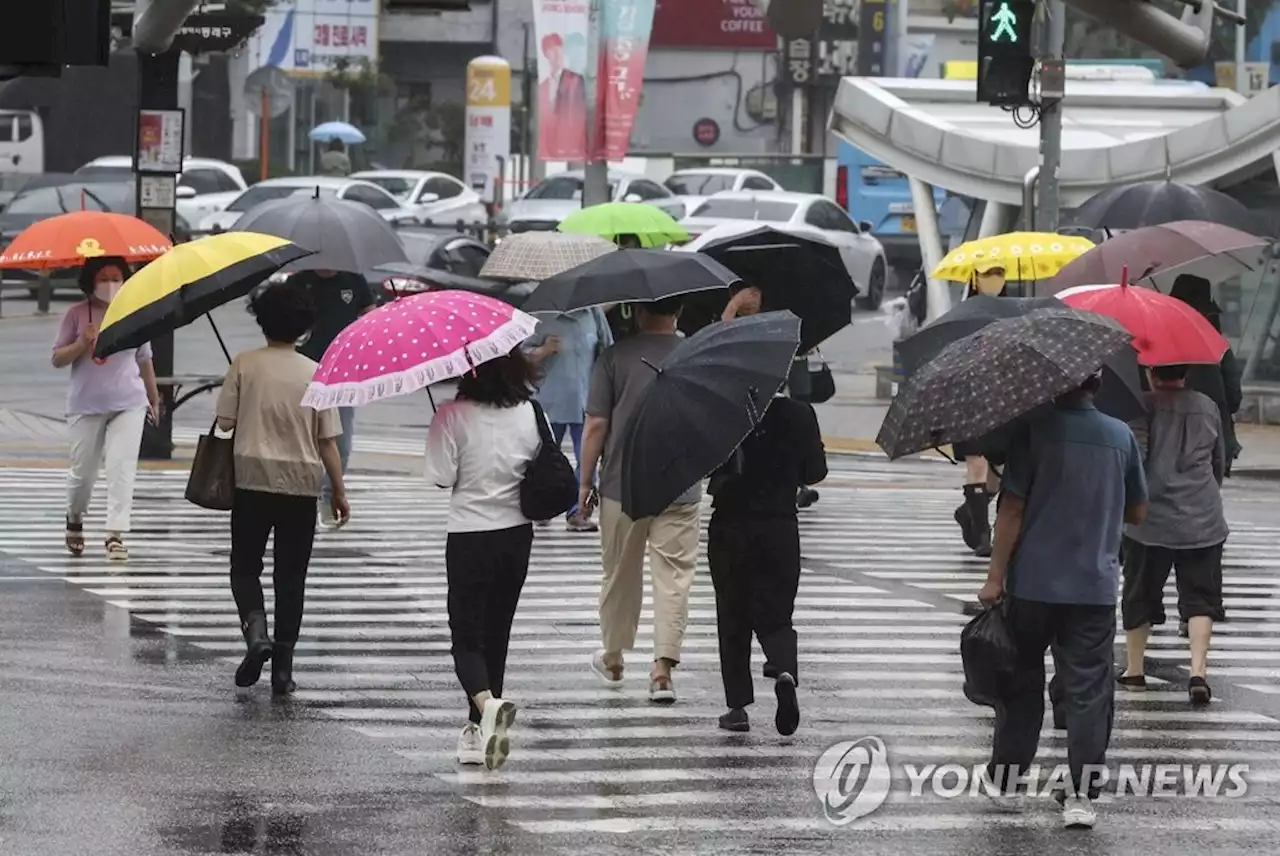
column 1022, row 255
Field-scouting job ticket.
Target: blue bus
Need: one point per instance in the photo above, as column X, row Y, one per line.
column 869, row 190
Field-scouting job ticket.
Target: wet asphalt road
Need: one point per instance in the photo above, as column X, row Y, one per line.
column 122, row 734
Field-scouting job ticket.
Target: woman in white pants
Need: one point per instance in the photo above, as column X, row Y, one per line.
column 107, row 404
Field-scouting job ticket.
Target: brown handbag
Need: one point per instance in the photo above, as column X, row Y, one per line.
column 212, row 483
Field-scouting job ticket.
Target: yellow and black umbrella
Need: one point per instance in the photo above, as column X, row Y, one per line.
column 190, row 280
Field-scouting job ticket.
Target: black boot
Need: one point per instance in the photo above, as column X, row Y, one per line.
column 977, row 502
column 965, row 521
column 258, row 645
column 282, row 670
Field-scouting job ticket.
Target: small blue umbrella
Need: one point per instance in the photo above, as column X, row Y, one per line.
column 349, row 134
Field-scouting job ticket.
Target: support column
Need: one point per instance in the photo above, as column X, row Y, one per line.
column 994, row 216
column 939, row 295
column 1051, row 83
column 158, row 90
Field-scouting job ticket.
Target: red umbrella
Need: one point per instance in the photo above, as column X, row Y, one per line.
column 1165, row 330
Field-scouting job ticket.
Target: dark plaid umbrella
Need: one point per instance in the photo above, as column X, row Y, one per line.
column 707, row 396
column 627, row 276
column 1121, row 394
column 802, row 274
column 1162, row 253
column 997, row 375
column 1152, row 203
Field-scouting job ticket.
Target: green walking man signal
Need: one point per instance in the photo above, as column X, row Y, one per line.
column 1005, row 20
column 1006, row 57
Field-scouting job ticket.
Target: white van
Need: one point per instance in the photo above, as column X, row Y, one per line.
column 21, row 141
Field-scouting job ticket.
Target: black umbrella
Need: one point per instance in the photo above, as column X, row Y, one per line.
column 1153, row 203
column 997, row 375
column 347, row 236
column 629, row 276
column 1121, row 394
column 708, row 395
column 803, row 274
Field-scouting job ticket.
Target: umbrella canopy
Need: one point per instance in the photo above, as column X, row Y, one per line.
column 69, row 240
column 409, row 344
column 1160, row 254
column 189, row 281
column 1121, row 393
column 706, row 397
column 803, row 274
column 629, row 276
column 1153, row 203
column 653, row 226
column 997, row 375
column 540, row 255
column 1166, row 331
column 347, row 236
column 1022, row 255
column 349, row 134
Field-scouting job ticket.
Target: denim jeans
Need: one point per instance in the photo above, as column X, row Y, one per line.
column 348, row 417
column 574, row 429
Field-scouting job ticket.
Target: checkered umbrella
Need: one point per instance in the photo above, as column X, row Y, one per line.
column 541, row 255
column 996, row 375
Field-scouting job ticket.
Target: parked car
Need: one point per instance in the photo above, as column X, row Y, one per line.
column 205, row 187
column 41, row 202
column 556, row 197
column 803, row 212
column 325, row 185
column 436, row 197
column 694, row 186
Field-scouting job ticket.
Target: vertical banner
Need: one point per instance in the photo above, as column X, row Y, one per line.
column 488, row 129
column 561, row 32
column 625, row 29
column 872, row 38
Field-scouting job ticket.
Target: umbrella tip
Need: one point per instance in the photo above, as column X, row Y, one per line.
column 1124, row 276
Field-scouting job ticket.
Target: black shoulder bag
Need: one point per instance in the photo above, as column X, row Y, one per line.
column 550, row 487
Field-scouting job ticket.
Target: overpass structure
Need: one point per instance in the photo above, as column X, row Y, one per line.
column 1113, row 132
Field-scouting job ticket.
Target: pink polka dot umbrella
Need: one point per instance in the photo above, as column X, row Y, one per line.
column 412, row 343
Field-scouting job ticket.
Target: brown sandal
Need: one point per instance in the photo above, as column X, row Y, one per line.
column 74, row 538
column 116, row 550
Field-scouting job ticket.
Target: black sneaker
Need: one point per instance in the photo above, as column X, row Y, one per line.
column 735, row 720
column 787, row 719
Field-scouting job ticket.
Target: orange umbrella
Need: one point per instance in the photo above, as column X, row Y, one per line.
column 69, row 240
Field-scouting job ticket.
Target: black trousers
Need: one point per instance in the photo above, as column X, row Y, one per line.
column 254, row 516
column 755, row 568
column 486, row 571
column 1083, row 639
column 1146, row 570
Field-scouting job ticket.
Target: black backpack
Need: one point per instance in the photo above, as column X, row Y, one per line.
column 550, row 487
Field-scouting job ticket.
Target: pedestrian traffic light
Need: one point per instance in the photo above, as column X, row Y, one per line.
column 1005, row 55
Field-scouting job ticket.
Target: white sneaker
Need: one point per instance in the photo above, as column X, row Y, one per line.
column 1078, row 813
column 495, row 720
column 1011, row 803
column 470, row 749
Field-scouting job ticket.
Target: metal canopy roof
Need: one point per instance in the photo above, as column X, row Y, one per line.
column 1112, row 132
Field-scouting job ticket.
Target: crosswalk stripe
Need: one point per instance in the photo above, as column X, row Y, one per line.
column 878, row 656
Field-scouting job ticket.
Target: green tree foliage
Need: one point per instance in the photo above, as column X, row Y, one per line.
column 1089, row 39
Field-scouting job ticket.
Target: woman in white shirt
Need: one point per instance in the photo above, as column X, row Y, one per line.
column 479, row 446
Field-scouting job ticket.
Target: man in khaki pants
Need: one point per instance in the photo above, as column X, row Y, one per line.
column 621, row 376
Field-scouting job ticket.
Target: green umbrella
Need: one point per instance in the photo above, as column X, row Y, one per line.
column 653, row 226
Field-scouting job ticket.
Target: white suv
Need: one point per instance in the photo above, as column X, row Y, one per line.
column 205, row 187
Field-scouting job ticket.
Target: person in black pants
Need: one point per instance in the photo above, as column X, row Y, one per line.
column 754, row 551
column 283, row 453
column 479, row 446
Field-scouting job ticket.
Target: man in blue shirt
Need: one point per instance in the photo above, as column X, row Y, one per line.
column 1072, row 482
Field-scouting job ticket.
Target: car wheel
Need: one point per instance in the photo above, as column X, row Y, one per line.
column 875, row 288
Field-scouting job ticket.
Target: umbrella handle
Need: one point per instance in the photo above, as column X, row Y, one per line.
column 97, row 361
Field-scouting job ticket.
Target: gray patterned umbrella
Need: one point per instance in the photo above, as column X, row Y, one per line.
column 541, row 255
column 992, row 377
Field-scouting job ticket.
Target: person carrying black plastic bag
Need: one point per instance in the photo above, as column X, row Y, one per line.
column 1067, row 490
column 753, row 547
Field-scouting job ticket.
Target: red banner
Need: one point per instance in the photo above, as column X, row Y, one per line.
column 737, row 24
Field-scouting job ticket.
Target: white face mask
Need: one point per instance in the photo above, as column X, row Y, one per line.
column 107, row 290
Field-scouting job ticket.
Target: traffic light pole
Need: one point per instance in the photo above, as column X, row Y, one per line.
column 1051, row 91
